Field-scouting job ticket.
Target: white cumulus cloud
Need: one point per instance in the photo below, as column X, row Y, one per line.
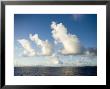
column 28, row 50
column 53, row 59
column 71, row 44
column 46, row 47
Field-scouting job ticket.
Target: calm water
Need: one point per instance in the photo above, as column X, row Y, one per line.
column 55, row 71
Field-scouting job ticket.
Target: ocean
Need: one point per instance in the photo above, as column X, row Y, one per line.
column 56, row 71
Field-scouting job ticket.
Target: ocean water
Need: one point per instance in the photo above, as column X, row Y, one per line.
column 55, row 71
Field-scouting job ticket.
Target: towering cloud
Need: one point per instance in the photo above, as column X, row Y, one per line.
column 46, row 47
column 71, row 44
column 28, row 51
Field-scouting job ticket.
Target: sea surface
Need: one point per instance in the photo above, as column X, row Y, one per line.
column 55, row 71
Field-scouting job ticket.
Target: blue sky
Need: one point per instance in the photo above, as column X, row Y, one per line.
column 84, row 26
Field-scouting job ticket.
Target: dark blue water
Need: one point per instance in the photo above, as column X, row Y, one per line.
column 55, row 71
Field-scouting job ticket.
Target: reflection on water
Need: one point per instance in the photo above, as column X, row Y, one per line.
column 68, row 71
column 55, row 71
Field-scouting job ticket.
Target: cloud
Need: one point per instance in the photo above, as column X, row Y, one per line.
column 85, row 61
column 71, row 44
column 53, row 59
column 28, row 51
column 91, row 51
column 46, row 47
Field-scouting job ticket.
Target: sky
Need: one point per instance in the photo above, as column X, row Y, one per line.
column 66, row 34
